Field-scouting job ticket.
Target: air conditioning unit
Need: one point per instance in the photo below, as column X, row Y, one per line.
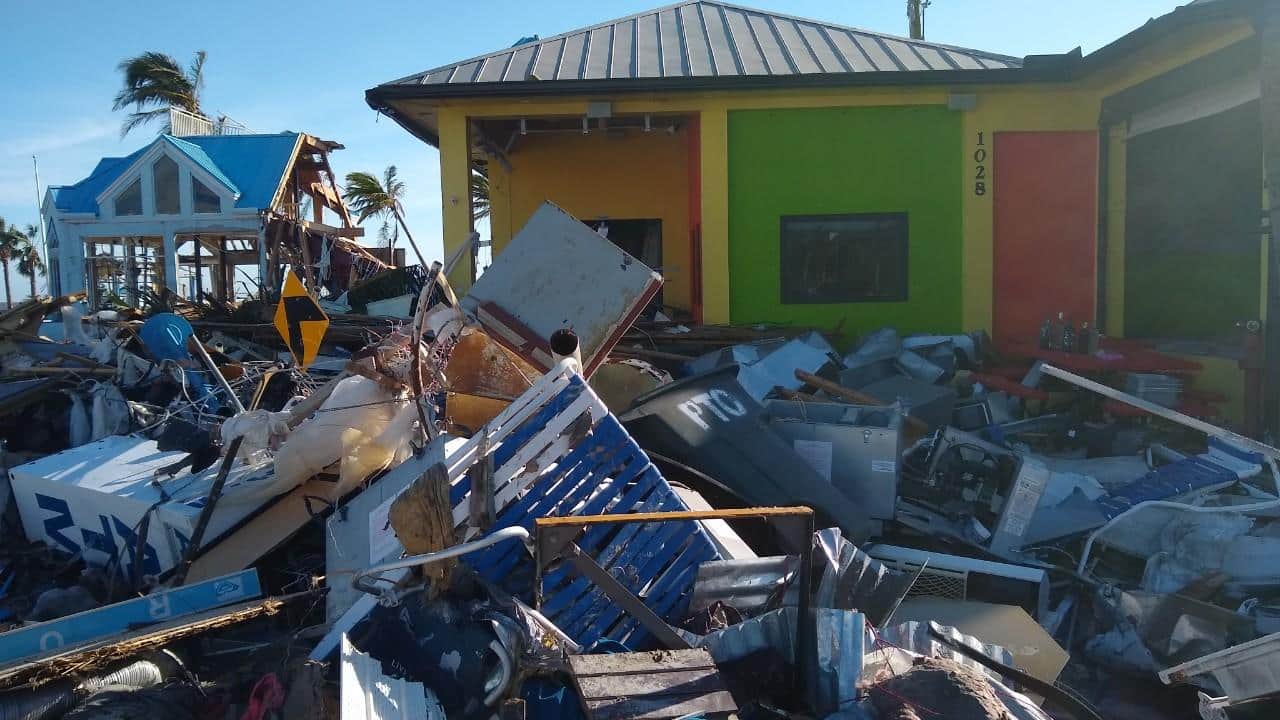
column 960, row 485
column 963, row 578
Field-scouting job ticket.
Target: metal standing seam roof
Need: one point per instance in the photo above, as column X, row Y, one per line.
column 201, row 158
column 705, row 39
column 250, row 165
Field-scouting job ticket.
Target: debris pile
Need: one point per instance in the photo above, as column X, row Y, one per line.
column 544, row 499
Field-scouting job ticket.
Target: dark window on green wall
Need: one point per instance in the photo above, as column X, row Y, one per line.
column 844, row 258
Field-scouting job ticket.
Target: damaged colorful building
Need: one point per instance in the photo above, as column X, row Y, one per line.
column 786, row 170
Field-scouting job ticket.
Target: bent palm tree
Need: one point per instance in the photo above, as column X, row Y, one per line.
column 367, row 197
column 30, row 263
column 155, row 82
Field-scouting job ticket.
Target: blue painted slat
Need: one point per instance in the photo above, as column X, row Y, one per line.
column 617, row 536
column 669, row 598
column 562, row 496
column 521, row 435
column 645, row 564
column 567, row 599
column 606, row 473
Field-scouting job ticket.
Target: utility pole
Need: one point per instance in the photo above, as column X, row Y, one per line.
column 915, row 17
column 43, row 247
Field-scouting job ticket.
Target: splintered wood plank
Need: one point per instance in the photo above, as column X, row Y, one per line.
column 658, row 684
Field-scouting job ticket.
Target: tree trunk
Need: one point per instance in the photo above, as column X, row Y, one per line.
column 409, row 235
column 33, row 284
column 8, row 296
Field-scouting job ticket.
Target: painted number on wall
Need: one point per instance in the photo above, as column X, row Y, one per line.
column 980, row 156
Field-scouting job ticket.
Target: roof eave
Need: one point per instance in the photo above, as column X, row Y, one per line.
column 1162, row 26
column 418, row 130
column 381, row 98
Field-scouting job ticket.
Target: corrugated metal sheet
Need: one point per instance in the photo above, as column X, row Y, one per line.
column 370, row 694
column 707, row 39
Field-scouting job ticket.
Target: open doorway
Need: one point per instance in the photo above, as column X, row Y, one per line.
column 641, row 239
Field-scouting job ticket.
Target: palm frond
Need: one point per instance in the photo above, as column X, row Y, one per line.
column 138, row 119
column 366, row 197
column 479, row 195
column 195, row 75
column 154, row 82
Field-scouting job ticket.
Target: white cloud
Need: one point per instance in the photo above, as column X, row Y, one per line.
column 70, row 135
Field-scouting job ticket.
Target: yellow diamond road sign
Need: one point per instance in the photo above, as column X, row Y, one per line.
column 300, row 321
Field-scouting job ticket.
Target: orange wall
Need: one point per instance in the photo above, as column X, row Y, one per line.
column 638, row 175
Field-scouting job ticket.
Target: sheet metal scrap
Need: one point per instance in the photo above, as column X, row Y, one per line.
column 529, row 291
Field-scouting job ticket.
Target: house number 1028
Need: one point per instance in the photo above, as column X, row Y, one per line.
column 980, row 166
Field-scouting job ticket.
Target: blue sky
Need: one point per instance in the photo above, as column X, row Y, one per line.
column 288, row 66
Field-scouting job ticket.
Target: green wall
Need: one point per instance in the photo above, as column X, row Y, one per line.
column 847, row 160
column 1193, row 199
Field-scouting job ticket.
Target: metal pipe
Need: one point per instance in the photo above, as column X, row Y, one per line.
column 564, row 345
column 508, row 533
column 217, row 374
column 1162, row 411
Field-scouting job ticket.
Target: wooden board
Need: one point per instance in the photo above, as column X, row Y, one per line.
column 658, row 684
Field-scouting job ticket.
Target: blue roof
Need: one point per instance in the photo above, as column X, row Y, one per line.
column 255, row 163
column 201, row 158
column 251, row 165
column 82, row 197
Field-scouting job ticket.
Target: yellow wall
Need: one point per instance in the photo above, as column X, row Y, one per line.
column 637, row 176
column 455, row 191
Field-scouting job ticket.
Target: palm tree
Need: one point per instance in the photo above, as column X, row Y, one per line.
column 10, row 239
column 155, row 82
column 367, row 196
column 479, row 193
column 30, row 263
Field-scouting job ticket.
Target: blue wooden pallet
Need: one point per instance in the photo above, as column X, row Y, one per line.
column 604, row 473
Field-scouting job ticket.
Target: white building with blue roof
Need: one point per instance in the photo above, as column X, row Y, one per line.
column 183, row 209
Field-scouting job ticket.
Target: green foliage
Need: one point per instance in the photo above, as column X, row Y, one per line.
column 154, row 82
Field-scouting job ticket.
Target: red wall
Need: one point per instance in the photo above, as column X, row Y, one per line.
column 1046, row 198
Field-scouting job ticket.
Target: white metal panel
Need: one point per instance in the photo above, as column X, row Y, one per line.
column 370, row 694
column 558, row 273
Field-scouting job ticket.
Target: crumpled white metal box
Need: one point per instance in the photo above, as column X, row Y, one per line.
column 91, row 500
